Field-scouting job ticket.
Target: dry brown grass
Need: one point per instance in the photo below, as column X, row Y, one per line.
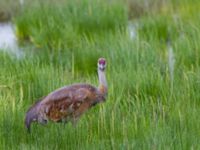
column 138, row 8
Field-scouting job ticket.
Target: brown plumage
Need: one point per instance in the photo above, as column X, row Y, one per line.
column 69, row 102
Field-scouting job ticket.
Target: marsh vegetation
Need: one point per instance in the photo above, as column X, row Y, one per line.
column 153, row 78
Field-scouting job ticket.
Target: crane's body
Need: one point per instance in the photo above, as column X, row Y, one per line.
column 69, row 102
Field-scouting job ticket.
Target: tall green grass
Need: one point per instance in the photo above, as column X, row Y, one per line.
column 145, row 109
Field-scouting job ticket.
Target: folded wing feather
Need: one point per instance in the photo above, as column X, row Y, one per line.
column 65, row 103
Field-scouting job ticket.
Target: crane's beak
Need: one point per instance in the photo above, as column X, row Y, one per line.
column 101, row 67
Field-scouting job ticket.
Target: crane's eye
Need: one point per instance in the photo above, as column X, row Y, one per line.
column 102, row 61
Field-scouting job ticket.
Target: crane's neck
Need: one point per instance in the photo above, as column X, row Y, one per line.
column 102, row 82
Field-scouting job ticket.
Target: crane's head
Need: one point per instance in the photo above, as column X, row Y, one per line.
column 102, row 64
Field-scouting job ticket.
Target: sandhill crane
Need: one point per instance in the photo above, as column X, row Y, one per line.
column 69, row 102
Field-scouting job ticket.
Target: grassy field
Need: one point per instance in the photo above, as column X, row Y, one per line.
column 153, row 78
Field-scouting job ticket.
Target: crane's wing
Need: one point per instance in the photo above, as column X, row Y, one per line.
column 71, row 93
column 63, row 103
